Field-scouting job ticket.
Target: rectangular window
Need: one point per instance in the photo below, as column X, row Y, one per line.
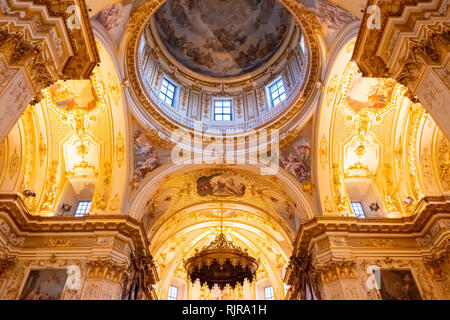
column 358, row 209
column 277, row 92
column 83, row 208
column 222, row 110
column 173, row 293
column 268, row 293
column 167, row 92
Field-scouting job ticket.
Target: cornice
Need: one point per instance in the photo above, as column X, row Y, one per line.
column 417, row 223
column 48, row 22
column 377, row 236
column 12, row 206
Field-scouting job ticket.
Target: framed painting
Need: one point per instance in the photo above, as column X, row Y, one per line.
column 44, row 284
column 398, row 285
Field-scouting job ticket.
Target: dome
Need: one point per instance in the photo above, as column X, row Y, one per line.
column 222, row 38
column 221, row 66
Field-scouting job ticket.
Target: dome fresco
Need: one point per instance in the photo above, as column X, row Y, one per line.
column 222, row 38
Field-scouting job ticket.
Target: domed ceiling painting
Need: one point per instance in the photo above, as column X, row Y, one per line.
column 222, row 38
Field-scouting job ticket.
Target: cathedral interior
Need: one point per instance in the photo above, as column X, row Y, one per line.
column 224, row 150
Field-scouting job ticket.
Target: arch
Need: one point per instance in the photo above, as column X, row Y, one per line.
column 138, row 200
column 182, row 241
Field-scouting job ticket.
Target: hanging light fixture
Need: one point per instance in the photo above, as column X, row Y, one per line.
column 221, row 263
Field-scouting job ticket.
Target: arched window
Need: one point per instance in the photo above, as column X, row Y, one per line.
column 268, row 293
column 173, row 293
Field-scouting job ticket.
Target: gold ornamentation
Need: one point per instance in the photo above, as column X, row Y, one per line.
column 60, row 243
column 206, row 104
column 29, row 141
column 398, row 151
column 437, row 264
column 142, row 15
column 42, row 149
column 14, row 164
column 49, row 201
column 416, row 113
column 107, row 172
column 340, row 199
column 120, row 149
column 335, row 270
column 184, row 98
column 338, row 242
column 114, row 89
column 207, row 265
column 239, row 105
column 331, row 89
column 100, row 200
column 115, row 203
column 323, row 152
column 391, row 190
column 10, row 234
column 105, row 269
column 328, row 205
column 381, row 243
column 444, row 163
column 308, row 187
column 7, row 263
column 350, row 46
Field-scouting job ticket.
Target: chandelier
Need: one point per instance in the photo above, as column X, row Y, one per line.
column 221, row 263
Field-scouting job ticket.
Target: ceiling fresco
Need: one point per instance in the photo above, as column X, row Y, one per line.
column 372, row 93
column 222, row 38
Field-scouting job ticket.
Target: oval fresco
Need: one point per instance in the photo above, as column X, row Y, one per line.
column 222, row 38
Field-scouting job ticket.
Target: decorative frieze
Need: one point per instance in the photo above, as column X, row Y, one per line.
column 409, row 249
column 334, row 270
column 105, row 269
column 7, row 263
column 439, row 264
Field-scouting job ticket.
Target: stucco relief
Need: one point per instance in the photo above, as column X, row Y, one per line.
column 13, row 101
column 6, row 73
column 433, row 94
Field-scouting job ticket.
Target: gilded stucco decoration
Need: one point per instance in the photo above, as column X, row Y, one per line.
column 179, row 219
column 137, row 24
column 354, row 139
column 443, row 156
column 365, row 109
column 68, row 136
column 179, row 192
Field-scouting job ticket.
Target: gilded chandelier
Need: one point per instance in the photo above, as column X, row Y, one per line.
column 221, row 263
